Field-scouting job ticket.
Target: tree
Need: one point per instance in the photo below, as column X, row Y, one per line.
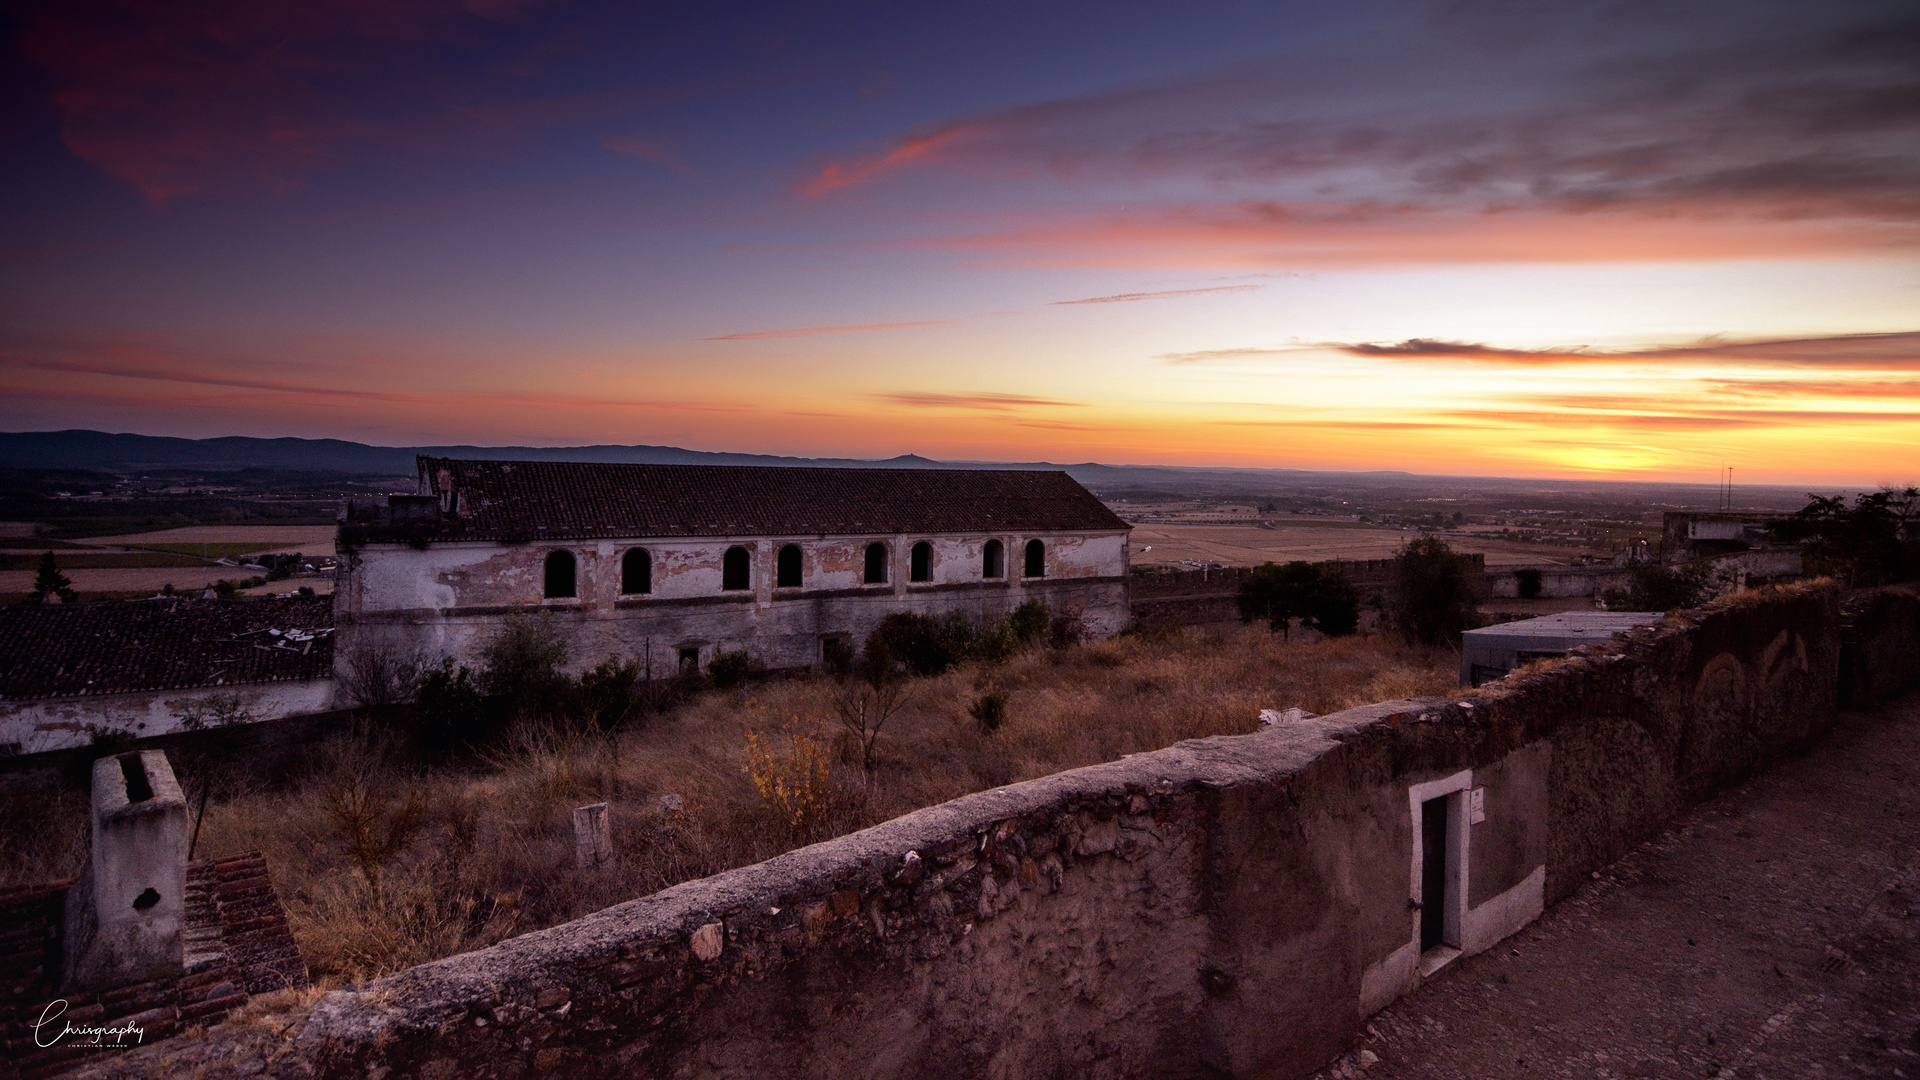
column 1663, row 588
column 1869, row 543
column 1433, row 598
column 864, row 699
column 1323, row 600
column 49, row 582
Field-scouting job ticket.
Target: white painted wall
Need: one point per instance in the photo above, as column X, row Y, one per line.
column 37, row 726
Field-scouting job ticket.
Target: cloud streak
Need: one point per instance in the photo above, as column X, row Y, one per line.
column 1887, row 351
column 980, row 402
column 1126, row 298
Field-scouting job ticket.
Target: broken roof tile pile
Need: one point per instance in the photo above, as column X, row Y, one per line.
column 547, row 500
column 68, row 650
column 237, row 944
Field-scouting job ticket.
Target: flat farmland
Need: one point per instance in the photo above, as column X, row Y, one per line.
column 226, row 541
column 1251, row 545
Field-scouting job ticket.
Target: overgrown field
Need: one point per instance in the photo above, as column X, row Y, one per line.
column 384, row 865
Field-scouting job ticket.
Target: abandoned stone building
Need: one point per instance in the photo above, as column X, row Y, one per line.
column 671, row 565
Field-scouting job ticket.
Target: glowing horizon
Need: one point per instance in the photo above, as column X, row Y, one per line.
column 1509, row 243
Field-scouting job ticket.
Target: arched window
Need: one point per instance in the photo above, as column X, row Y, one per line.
column 920, row 563
column 993, row 561
column 876, row 564
column 735, row 570
column 1036, row 559
column 636, row 572
column 788, row 575
column 560, row 574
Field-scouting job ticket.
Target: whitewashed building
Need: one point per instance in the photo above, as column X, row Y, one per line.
column 672, row 564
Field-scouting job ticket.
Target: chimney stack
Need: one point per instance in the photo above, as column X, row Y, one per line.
column 124, row 913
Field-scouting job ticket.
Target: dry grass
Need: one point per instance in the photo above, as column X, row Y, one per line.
column 488, row 853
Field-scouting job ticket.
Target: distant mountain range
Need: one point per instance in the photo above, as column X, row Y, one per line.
column 124, row 453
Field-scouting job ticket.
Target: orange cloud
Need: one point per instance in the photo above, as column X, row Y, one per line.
column 803, row 331
column 836, row 176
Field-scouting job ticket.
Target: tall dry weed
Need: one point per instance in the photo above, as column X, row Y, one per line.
column 490, row 853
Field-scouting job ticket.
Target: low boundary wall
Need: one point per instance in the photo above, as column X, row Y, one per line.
column 1227, row 906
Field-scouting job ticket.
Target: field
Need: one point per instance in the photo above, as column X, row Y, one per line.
column 225, row 541
column 1251, row 545
column 457, row 858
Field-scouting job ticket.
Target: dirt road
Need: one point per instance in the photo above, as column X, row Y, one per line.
column 1771, row 933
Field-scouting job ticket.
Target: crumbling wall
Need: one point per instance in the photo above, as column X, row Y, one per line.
column 47, row 724
column 1225, row 906
column 1880, row 652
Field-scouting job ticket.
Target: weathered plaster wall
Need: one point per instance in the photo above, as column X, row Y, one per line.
column 1225, row 906
column 34, row 727
column 448, row 599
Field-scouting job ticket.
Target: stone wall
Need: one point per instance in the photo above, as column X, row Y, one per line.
column 1164, row 597
column 1225, row 906
column 1880, row 656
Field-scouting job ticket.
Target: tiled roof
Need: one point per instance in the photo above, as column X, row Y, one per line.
column 68, row 650
column 547, row 500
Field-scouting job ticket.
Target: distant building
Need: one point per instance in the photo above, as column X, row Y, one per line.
column 1492, row 651
column 1686, row 535
column 673, row 564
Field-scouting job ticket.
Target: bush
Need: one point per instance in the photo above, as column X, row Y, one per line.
column 730, row 669
column 1529, row 582
column 1433, row 600
column 1324, row 600
column 610, row 694
column 790, row 774
column 449, row 713
column 990, row 709
column 923, row 644
column 522, row 669
column 1029, row 622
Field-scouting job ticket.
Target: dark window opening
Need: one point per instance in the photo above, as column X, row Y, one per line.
column 146, row 899
column 560, row 575
column 1433, row 872
column 735, row 570
column 690, row 660
column 876, row 564
column 993, row 561
column 1036, row 559
column 789, row 568
column 920, row 562
column 636, row 572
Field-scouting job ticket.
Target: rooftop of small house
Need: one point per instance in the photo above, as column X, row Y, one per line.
column 171, row 643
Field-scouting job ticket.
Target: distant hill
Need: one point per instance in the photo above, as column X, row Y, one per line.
column 124, row 453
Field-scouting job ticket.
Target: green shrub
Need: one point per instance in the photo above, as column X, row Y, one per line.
column 730, row 669
column 1029, row 621
column 1529, row 582
column 990, row 709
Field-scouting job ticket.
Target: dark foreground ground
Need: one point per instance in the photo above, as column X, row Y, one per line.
column 1773, row 932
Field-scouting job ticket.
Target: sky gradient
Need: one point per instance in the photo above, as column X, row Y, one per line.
column 1622, row 240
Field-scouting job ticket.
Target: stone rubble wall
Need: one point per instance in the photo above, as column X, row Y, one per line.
column 1224, row 906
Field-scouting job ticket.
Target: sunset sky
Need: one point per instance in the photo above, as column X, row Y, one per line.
column 1526, row 238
